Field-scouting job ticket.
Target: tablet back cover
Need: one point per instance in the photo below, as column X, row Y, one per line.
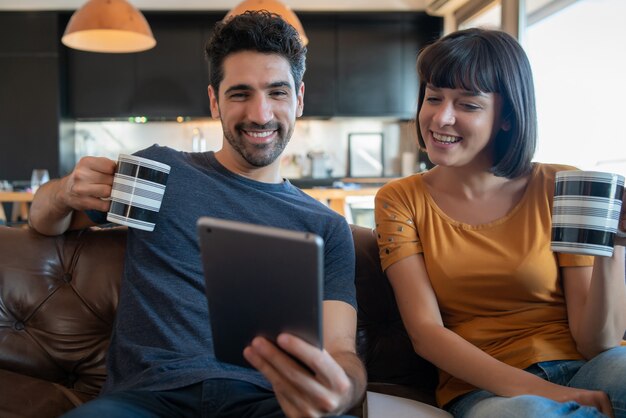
column 260, row 281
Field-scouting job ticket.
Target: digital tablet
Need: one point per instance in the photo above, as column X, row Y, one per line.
column 260, row 281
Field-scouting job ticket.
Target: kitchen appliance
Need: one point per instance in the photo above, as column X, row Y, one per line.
column 319, row 164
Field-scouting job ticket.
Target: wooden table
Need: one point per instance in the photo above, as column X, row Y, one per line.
column 20, row 201
column 336, row 198
column 333, row 198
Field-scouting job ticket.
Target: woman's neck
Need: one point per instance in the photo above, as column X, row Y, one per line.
column 464, row 182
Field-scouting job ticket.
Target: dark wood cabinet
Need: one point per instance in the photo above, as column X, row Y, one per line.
column 167, row 81
column 100, row 85
column 358, row 64
column 363, row 64
column 29, row 94
column 172, row 78
column 320, row 84
column 28, row 33
column 369, row 64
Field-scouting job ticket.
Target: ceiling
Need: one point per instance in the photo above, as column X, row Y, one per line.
column 328, row 5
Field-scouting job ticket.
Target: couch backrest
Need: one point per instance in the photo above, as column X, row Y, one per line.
column 58, row 297
column 382, row 340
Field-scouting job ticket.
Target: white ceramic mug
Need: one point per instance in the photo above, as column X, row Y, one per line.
column 586, row 211
column 137, row 193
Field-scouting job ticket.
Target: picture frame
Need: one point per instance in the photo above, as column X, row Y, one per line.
column 366, row 154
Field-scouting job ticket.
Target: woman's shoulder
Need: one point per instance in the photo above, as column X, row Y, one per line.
column 549, row 168
column 405, row 185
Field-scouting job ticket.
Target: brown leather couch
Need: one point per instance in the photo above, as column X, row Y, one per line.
column 58, row 297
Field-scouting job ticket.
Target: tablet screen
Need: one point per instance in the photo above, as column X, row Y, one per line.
column 260, row 281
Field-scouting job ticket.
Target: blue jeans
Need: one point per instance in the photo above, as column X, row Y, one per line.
column 605, row 372
column 209, row 399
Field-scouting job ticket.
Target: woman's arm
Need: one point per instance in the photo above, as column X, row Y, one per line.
column 420, row 313
column 596, row 303
column 596, row 299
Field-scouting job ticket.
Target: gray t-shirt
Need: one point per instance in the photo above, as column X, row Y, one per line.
column 162, row 336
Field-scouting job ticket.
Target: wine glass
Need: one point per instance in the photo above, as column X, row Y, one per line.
column 37, row 178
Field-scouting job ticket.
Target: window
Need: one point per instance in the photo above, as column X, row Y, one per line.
column 576, row 49
column 486, row 14
column 579, row 60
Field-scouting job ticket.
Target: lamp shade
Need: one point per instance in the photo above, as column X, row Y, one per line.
column 273, row 6
column 108, row 26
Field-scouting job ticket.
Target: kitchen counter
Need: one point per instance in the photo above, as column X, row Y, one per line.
column 336, row 198
column 20, row 202
column 310, row 183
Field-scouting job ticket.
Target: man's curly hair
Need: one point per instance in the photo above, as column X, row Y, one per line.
column 258, row 31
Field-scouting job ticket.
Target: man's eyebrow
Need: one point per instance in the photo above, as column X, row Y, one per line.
column 247, row 87
column 279, row 84
column 238, row 87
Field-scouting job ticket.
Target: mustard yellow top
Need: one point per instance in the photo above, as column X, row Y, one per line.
column 498, row 285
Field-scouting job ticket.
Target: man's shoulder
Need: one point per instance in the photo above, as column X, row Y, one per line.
column 158, row 153
column 314, row 205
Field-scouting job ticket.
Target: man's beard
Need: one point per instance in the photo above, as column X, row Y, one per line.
column 258, row 155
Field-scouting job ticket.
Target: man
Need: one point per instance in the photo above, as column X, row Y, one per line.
column 161, row 361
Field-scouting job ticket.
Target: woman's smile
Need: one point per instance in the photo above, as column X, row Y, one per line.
column 446, row 138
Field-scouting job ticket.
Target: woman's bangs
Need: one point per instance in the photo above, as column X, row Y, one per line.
column 460, row 69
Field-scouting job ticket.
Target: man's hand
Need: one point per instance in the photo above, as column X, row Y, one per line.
column 324, row 390
column 58, row 204
column 89, row 183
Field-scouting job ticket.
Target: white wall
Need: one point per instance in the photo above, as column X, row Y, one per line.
column 110, row 138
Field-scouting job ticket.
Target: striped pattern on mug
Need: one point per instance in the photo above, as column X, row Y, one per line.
column 586, row 211
column 138, row 188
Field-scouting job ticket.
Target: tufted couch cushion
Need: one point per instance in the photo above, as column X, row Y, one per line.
column 58, row 297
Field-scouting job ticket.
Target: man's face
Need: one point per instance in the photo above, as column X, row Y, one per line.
column 258, row 105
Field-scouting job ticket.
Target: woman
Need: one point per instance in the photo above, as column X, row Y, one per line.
column 515, row 329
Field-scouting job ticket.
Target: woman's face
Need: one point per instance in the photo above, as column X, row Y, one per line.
column 459, row 126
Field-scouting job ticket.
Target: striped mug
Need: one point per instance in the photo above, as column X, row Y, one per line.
column 138, row 188
column 586, row 212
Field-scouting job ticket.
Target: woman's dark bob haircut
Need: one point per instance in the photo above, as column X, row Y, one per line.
column 487, row 61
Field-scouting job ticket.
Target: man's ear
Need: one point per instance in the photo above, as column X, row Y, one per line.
column 300, row 99
column 215, row 107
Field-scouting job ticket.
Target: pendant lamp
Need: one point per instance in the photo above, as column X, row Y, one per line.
column 272, row 6
column 113, row 26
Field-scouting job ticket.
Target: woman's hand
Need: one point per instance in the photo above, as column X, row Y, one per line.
column 593, row 398
column 620, row 238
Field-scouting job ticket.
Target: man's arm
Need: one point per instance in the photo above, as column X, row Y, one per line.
column 336, row 380
column 58, row 204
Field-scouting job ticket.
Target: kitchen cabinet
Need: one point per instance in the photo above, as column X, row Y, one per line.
column 29, row 94
column 172, row 78
column 363, row 64
column 100, row 85
column 167, row 81
column 28, row 33
column 358, row 64
column 369, row 67
column 320, row 76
